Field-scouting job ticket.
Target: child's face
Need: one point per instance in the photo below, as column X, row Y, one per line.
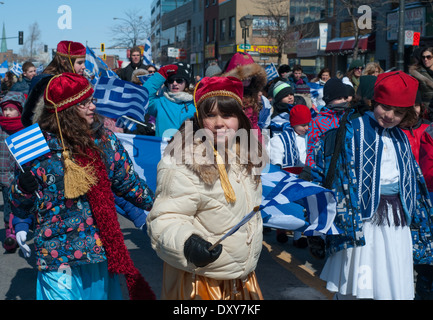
column 30, row 73
column 80, row 65
column 290, row 99
column 223, row 126
column 301, row 129
column 10, row 112
column 388, row 116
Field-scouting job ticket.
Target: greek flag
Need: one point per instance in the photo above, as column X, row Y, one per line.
column 126, row 123
column 145, row 153
column 17, row 69
column 97, row 66
column 27, row 144
column 147, row 53
column 294, row 204
column 271, row 72
column 117, row 98
column 3, row 69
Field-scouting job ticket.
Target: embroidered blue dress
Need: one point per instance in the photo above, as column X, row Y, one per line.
column 383, row 208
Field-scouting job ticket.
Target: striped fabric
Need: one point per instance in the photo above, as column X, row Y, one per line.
column 27, row 144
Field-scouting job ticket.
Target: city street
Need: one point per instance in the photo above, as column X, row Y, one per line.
column 284, row 272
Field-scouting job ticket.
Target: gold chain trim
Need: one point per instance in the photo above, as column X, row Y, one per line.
column 71, row 56
column 71, row 99
column 224, row 93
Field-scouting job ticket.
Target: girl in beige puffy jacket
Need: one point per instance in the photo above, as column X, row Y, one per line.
column 208, row 180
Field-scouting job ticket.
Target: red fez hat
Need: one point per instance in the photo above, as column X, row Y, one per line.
column 218, row 86
column 300, row 114
column 396, row 89
column 65, row 90
column 71, row 49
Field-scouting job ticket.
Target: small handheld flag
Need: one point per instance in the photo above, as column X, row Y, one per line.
column 27, row 144
column 236, row 227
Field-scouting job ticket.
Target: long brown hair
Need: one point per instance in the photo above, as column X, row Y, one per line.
column 60, row 65
column 76, row 132
column 229, row 106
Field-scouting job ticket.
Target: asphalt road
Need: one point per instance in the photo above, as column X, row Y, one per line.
column 284, row 272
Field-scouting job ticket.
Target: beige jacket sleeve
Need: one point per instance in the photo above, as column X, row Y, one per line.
column 170, row 222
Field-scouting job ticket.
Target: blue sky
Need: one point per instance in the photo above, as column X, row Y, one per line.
column 91, row 20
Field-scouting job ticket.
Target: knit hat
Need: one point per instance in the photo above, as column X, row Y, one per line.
column 355, row 64
column 280, row 90
column 239, row 59
column 397, row 89
column 212, row 70
column 63, row 91
column 284, row 68
column 300, row 114
column 183, row 72
column 333, row 89
column 366, row 86
column 66, row 90
column 13, row 99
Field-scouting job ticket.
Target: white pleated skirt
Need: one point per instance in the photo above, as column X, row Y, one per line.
column 380, row 270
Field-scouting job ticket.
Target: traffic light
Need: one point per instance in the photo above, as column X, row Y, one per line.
column 102, row 47
column 104, row 56
column 20, row 37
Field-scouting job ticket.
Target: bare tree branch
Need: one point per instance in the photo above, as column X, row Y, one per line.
column 131, row 30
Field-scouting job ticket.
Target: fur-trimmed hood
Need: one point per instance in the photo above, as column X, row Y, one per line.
column 252, row 70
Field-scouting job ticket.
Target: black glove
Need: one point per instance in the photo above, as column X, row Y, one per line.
column 27, row 181
column 196, row 251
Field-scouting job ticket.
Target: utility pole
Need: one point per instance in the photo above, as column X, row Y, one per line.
column 400, row 50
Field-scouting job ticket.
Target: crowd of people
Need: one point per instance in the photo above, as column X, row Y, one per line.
column 365, row 135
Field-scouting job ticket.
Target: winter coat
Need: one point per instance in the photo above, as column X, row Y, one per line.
column 357, row 188
column 66, row 232
column 126, row 73
column 426, row 156
column 170, row 110
column 425, row 80
column 326, row 119
column 414, row 135
column 22, row 86
column 190, row 200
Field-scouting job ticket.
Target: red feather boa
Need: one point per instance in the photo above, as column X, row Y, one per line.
column 101, row 201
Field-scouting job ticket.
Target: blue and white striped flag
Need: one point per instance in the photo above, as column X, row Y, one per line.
column 147, row 52
column 271, row 72
column 40, row 69
column 117, row 98
column 97, row 66
column 27, row 144
column 294, row 204
column 17, row 69
column 4, row 68
column 126, row 123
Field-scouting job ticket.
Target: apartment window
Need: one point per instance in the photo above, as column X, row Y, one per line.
column 232, row 27
column 207, row 31
column 222, row 29
column 214, row 29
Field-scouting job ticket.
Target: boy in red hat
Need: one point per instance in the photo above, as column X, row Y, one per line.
column 207, row 182
column 383, row 208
